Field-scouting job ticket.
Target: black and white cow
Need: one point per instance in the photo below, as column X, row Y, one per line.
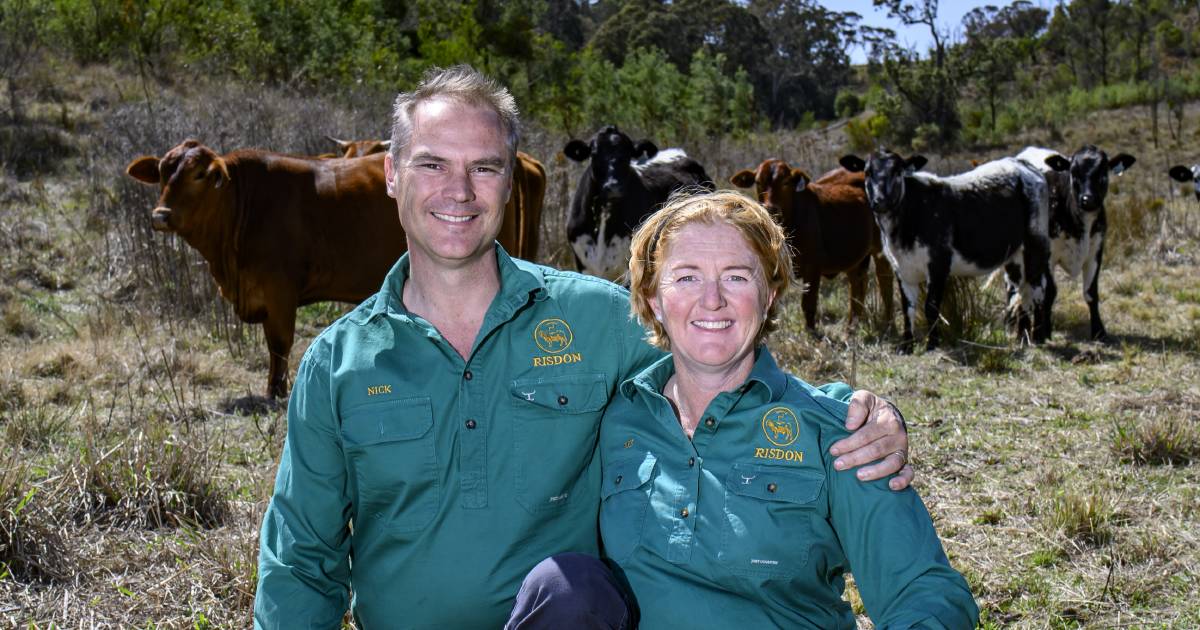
column 1078, row 186
column 1187, row 174
column 624, row 183
column 966, row 225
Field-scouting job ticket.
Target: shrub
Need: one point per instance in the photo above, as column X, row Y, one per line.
column 847, row 104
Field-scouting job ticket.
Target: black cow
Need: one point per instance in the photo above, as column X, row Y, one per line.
column 625, row 182
column 1187, row 174
column 1077, row 188
column 966, row 225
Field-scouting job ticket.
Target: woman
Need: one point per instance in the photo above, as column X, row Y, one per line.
column 721, row 506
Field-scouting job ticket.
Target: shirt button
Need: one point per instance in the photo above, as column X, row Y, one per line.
column 709, row 422
column 772, row 487
column 691, row 462
column 467, row 375
column 618, row 480
column 562, row 400
column 684, row 512
column 470, row 424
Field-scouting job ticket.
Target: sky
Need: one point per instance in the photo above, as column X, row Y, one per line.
column 950, row 15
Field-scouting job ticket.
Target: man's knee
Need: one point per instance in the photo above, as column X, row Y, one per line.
column 570, row 590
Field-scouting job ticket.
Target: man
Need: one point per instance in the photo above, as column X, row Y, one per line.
column 441, row 436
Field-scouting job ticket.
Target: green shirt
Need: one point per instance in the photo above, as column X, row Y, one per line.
column 432, row 484
column 748, row 525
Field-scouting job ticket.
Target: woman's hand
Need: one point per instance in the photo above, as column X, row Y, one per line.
column 882, row 441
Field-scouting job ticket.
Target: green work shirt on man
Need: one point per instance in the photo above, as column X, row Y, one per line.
column 429, row 483
column 748, row 525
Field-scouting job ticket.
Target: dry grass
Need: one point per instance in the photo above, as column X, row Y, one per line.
column 1064, row 479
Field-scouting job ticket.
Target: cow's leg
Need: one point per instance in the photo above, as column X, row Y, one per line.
column 808, row 303
column 908, row 300
column 858, row 291
column 1038, row 289
column 1091, row 290
column 1015, row 312
column 939, row 272
column 279, row 329
column 884, row 277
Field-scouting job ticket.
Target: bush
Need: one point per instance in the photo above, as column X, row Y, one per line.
column 847, row 104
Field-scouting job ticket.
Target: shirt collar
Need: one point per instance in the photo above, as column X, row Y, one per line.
column 518, row 280
column 766, row 382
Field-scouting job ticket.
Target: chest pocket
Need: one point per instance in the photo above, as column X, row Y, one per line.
column 625, row 498
column 768, row 519
column 556, row 422
column 390, row 453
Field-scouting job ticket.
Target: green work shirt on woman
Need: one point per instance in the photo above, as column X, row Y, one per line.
column 748, row 525
column 429, row 483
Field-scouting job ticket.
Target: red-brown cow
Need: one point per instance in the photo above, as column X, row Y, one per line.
column 830, row 228
column 281, row 231
column 521, row 230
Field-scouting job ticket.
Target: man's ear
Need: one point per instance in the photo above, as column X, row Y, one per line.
column 144, row 169
column 389, row 175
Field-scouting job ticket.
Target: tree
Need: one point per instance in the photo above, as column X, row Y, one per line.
column 929, row 89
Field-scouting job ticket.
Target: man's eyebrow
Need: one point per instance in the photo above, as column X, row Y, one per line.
column 425, row 156
column 496, row 161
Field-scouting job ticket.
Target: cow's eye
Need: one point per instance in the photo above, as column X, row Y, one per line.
column 199, row 175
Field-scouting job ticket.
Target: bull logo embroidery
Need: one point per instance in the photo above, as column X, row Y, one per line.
column 553, row 335
column 781, row 426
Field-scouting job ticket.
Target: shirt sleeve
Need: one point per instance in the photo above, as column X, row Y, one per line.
column 636, row 352
column 837, row 391
column 303, row 561
column 896, row 556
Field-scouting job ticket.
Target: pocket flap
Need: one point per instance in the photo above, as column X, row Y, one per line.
column 775, row 483
column 627, row 474
column 573, row 393
column 388, row 421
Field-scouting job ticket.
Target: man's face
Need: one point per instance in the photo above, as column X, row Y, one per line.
column 452, row 182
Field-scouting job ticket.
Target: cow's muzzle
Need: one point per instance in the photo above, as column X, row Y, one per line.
column 160, row 219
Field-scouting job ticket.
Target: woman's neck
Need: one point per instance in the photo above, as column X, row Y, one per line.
column 692, row 390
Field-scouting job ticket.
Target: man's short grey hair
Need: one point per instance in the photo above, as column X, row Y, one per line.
column 462, row 84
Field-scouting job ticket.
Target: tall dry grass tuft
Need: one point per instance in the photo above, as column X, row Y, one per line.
column 1084, row 518
column 152, row 477
column 32, row 546
column 1157, row 439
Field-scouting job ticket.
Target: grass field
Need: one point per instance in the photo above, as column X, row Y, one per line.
column 1064, row 479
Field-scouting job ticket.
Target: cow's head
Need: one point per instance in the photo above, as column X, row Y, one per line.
column 612, row 154
column 1089, row 168
column 775, row 183
column 885, row 172
column 359, row 148
column 1187, row 174
column 190, row 177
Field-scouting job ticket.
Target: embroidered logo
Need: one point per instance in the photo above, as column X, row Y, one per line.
column 376, row 390
column 553, row 335
column 628, row 442
column 781, row 426
column 529, row 395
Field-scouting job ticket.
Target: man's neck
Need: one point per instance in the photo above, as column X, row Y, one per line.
column 453, row 299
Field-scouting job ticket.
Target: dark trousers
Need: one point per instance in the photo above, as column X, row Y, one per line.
column 571, row 590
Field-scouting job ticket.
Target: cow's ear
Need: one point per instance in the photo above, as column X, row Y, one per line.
column 1180, row 173
column 218, row 172
column 386, row 144
column 915, row 163
column 644, row 150
column 1120, row 163
column 577, row 150
column 801, row 181
column 852, row 163
column 144, row 169
column 742, row 179
column 1058, row 163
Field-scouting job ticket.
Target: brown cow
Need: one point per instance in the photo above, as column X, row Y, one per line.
column 521, row 230
column 281, row 231
column 830, row 228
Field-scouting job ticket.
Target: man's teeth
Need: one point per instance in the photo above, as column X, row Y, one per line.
column 453, row 218
column 725, row 323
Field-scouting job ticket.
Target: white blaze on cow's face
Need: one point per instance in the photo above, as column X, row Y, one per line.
column 712, row 299
column 451, row 183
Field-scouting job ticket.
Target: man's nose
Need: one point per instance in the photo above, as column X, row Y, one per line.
column 459, row 187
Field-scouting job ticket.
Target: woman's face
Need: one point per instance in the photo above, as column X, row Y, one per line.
column 711, row 298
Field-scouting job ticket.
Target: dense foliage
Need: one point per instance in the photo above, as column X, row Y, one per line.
column 680, row 69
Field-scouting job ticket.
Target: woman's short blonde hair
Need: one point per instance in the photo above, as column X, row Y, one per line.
column 648, row 250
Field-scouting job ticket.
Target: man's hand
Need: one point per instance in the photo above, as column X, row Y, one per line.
column 881, row 442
